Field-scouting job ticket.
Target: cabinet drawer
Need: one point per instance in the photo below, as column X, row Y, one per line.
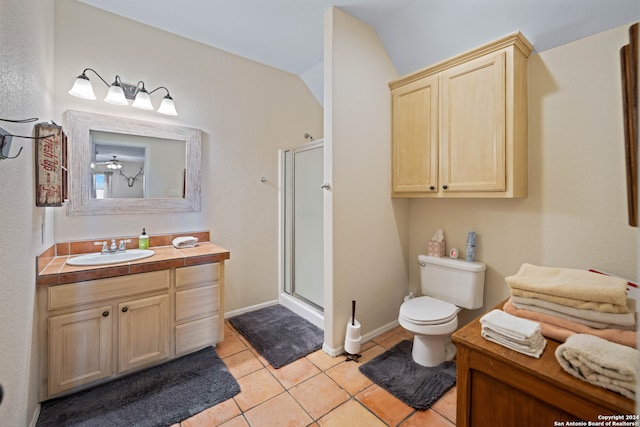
column 196, row 274
column 197, row 303
column 73, row 294
column 197, row 334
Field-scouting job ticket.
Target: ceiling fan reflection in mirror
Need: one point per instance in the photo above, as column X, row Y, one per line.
column 111, row 164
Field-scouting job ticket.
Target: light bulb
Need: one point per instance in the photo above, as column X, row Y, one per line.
column 167, row 107
column 116, row 96
column 82, row 88
column 143, row 100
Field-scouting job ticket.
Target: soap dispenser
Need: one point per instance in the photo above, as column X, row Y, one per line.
column 471, row 246
column 143, row 240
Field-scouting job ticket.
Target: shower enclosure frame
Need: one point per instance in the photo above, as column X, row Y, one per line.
column 286, row 258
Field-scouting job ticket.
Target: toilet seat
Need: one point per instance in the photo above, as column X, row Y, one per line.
column 425, row 311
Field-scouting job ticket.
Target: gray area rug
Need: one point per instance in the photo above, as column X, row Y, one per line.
column 159, row 396
column 416, row 385
column 278, row 334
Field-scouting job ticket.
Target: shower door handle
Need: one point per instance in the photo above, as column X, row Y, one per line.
column 326, row 186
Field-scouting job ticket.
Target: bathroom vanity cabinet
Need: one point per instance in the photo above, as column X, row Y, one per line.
column 97, row 330
column 497, row 386
column 459, row 128
column 125, row 319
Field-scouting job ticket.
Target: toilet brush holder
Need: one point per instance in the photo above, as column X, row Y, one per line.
column 353, row 337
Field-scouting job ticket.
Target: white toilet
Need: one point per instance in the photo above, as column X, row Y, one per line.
column 448, row 285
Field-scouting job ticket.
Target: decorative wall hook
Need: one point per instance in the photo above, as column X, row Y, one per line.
column 5, row 145
column 6, row 137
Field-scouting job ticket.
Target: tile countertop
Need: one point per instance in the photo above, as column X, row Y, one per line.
column 56, row 272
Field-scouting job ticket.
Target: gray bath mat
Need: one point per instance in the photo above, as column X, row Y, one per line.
column 159, row 396
column 416, row 385
column 278, row 334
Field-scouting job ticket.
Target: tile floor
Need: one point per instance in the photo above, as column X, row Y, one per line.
column 317, row 390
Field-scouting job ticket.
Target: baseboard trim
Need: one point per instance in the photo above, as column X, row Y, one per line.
column 36, row 415
column 334, row 352
column 234, row 313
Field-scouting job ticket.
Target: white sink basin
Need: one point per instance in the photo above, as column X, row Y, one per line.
column 100, row 259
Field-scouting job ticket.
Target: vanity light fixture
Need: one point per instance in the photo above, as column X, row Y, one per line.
column 119, row 93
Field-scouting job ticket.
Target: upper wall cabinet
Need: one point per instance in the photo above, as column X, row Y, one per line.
column 459, row 128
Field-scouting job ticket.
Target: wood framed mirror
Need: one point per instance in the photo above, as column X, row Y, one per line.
column 181, row 195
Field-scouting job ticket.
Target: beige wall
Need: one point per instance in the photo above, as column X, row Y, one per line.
column 576, row 212
column 26, row 76
column 575, row 215
column 246, row 110
column 369, row 230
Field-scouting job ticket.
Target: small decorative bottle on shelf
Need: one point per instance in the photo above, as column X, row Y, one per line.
column 471, row 246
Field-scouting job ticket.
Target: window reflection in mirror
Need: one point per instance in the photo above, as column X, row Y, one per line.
column 134, row 166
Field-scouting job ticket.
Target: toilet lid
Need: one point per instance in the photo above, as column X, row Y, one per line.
column 428, row 311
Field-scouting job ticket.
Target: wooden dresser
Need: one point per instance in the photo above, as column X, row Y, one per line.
column 501, row 387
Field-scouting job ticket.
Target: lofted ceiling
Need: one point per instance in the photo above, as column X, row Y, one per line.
column 288, row 34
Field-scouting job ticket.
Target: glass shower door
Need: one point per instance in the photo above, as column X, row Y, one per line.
column 304, row 251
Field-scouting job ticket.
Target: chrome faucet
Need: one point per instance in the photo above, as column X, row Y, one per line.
column 122, row 246
column 105, row 249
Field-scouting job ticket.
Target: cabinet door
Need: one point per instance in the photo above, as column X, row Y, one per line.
column 473, row 123
column 144, row 332
column 80, row 346
column 414, row 141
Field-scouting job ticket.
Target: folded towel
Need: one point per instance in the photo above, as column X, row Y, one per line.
column 184, row 242
column 534, row 348
column 560, row 329
column 604, row 307
column 581, row 285
column 518, row 334
column 510, row 326
column 591, row 318
column 600, row 362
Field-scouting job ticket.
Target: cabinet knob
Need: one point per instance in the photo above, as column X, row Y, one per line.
column 125, row 309
column 432, row 187
column 105, row 314
column 444, row 187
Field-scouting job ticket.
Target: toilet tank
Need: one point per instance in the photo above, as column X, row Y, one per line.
column 453, row 280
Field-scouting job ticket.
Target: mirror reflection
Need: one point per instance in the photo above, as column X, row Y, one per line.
column 134, row 166
column 170, row 176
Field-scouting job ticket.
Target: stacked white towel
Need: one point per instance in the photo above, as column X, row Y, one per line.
column 521, row 335
column 600, row 362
